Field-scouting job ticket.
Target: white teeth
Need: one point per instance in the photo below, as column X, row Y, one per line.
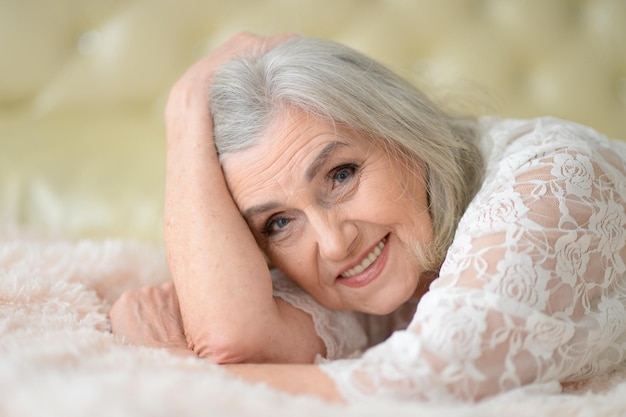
column 367, row 261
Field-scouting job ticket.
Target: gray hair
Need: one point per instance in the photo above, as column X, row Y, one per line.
column 335, row 83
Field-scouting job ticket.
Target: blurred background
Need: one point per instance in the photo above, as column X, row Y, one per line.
column 83, row 83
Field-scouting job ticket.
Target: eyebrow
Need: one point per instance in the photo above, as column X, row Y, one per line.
column 261, row 208
column 321, row 159
column 309, row 174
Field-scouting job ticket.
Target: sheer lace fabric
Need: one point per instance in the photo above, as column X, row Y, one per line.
column 532, row 291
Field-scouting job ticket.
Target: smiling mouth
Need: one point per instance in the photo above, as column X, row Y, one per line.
column 367, row 261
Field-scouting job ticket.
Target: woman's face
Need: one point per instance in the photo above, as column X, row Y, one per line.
column 334, row 212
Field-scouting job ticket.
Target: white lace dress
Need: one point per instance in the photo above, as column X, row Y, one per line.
column 533, row 288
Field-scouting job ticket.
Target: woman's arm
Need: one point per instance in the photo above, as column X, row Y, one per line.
column 291, row 378
column 222, row 280
column 150, row 316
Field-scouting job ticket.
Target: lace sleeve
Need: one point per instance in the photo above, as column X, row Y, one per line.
column 533, row 288
column 343, row 332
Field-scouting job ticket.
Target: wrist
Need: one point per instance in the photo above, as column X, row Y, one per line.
column 188, row 117
column 186, row 97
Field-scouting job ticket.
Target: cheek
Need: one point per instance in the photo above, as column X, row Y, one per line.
column 402, row 206
column 386, row 184
column 291, row 259
column 384, row 199
column 299, row 262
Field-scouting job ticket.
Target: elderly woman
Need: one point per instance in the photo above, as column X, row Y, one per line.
column 415, row 254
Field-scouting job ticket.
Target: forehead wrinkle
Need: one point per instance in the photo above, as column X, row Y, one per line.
column 268, row 177
column 271, row 170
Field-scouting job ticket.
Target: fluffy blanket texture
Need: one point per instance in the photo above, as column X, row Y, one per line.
column 58, row 358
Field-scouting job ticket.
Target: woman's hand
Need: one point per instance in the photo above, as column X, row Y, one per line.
column 187, row 112
column 151, row 317
column 201, row 72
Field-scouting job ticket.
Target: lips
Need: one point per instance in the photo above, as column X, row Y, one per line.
column 366, row 262
column 368, row 269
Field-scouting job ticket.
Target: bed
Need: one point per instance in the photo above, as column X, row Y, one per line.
column 82, row 146
column 58, row 357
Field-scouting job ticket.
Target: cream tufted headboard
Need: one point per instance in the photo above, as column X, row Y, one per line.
column 83, row 83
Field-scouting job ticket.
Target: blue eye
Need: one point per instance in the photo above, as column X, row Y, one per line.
column 342, row 173
column 281, row 223
column 275, row 225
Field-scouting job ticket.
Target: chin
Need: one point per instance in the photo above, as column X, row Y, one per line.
column 382, row 309
column 388, row 302
column 382, row 312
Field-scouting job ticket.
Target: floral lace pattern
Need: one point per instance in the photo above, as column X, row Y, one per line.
column 343, row 332
column 533, row 289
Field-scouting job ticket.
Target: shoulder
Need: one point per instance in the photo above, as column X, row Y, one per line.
column 541, row 169
column 541, row 174
column 548, row 183
column 522, row 139
column 515, row 148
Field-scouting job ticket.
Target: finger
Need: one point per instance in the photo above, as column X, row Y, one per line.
column 247, row 42
column 257, row 45
column 272, row 41
column 125, row 307
column 169, row 292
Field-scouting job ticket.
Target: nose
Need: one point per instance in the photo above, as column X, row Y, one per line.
column 336, row 237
